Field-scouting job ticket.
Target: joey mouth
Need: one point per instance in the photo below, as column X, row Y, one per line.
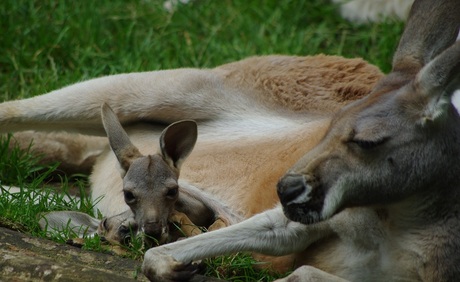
column 155, row 234
column 301, row 201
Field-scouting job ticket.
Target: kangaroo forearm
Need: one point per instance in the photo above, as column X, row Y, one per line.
column 269, row 233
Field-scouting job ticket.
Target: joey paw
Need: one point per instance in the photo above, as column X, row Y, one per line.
column 186, row 226
column 219, row 223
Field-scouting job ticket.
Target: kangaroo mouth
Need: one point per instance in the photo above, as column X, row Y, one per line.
column 170, row 233
column 307, row 212
column 156, row 238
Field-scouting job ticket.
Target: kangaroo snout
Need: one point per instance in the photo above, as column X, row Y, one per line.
column 156, row 230
column 302, row 197
column 293, row 188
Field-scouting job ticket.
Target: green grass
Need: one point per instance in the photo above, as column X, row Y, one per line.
column 22, row 169
column 46, row 45
column 17, row 166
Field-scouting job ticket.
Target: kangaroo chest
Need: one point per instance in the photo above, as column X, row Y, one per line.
column 365, row 248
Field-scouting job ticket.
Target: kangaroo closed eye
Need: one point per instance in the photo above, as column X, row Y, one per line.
column 369, row 144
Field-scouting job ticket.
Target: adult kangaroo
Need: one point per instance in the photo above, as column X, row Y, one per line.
column 378, row 199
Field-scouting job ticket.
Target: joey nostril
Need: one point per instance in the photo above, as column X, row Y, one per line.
column 290, row 187
column 153, row 229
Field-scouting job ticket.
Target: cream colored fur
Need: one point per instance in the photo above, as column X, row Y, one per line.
column 374, row 10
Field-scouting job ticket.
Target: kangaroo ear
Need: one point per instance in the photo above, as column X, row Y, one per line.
column 177, row 141
column 79, row 223
column 119, row 141
column 438, row 80
column 432, row 27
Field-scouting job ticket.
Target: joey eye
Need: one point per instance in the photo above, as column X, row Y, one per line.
column 367, row 145
column 123, row 229
column 129, row 197
column 172, row 192
column 104, row 224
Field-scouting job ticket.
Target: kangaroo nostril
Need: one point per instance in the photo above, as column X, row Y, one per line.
column 290, row 187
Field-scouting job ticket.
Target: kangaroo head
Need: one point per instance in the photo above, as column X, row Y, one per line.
column 150, row 183
column 401, row 141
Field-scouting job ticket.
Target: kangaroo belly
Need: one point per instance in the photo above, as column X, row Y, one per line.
column 243, row 170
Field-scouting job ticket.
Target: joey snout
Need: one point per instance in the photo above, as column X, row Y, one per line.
column 155, row 232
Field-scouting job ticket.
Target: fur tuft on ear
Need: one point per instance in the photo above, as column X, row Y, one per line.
column 438, row 81
column 435, row 109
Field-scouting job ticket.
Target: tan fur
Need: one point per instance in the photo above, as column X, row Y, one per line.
column 256, row 167
column 314, row 84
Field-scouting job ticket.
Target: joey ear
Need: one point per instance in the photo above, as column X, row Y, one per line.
column 119, row 141
column 438, row 80
column 177, row 141
column 80, row 223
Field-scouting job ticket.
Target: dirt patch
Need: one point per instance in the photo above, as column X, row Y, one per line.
column 25, row 258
